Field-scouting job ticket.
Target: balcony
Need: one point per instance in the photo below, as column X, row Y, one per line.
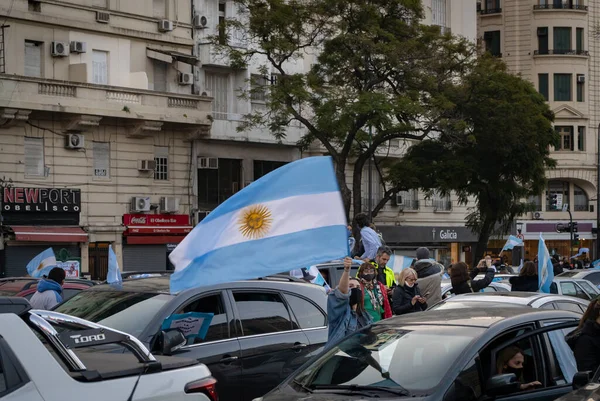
column 442, row 205
column 490, row 11
column 562, row 52
column 79, row 105
column 567, row 7
column 409, row 205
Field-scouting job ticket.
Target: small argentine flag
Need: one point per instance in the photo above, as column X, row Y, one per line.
column 291, row 218
column 512, row 242
column 545, row 268
column 113, row 276
column 42, row 264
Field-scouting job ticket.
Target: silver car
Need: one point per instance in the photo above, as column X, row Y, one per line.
column 576, row 287
column 494, row 287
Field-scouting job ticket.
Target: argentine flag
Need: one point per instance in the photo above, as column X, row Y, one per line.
column 42, row 264
column 512, row 242
column 113, row 277
column 399, row 262
column 291, row 218
column 545, row 268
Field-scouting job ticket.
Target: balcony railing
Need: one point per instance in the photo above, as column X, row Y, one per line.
column 561, row 52
column 409, row 205
column 442, row 205
column 582, row 208
column 576, row 7
column 489, row 11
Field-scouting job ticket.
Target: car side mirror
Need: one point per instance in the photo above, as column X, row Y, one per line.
column 581, row 379
column 171, row 340
column 503, row 384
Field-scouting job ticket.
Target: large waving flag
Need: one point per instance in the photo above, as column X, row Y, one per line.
column 291, row 218
column 512, row 242
column 545, row 268
column 113, row 276
column 42, row 264
column 399, row 262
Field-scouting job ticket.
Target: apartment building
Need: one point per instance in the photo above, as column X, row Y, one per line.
column 99, row 123
column 552, row 44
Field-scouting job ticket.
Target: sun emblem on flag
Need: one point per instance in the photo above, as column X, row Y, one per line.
column 255, row 222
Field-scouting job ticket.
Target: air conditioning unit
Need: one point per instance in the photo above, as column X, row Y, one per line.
column 146, row 165
column 206, row 93
column 169, row 204
column 78, row 47
column 580, row 78
column 209, row 163
column 186, row 78
column 537, row 215
column 102, row 17
column 75, row 141
column 164, row 25
column 140, row 204
column 60, row 49
column 201, row 215
column 200, row 22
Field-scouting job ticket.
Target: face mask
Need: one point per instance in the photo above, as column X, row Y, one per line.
column 355, row 296
column 368, row 277
column 516, row 371
column 411, row 285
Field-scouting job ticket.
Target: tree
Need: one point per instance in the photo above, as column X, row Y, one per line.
column 494, row 151
column 376, row 67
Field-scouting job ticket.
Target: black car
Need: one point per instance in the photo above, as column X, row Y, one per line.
column 448, row 355
column 261, row 332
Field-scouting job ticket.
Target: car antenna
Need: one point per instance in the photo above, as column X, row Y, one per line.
column 146, row 366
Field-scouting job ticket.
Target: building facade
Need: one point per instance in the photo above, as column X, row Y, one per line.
column 99, row 123
column 551, row 43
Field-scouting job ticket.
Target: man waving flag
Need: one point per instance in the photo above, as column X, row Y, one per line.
column 545, row 268
column 291, row 218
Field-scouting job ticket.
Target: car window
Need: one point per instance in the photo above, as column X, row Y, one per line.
column 562, row 366
column 572, row 290
column 588, row 288
column 307, row 314
column 547, row 305
column 593, row 277
column 218, row 329
column 570, row 306
column 467, row 386
column 69, row 293
column 262, row 313
column 11, row 376
column 3, row 383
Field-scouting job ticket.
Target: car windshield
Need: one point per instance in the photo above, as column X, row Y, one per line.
column 130, row 312
column 567, row 274
column 473, row 304
column 414, row 358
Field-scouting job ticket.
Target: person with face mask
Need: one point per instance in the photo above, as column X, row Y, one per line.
column 345, row 307
column 407, row 297
column 375, row 294
column 511, row 360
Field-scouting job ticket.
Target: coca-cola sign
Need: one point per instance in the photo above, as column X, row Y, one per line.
column 157, row 224
column 139, row 220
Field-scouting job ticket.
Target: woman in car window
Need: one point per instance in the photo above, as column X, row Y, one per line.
column 587, row 339
column 511, row 360
column 464, row 283
column 407, row 296
column 377, row 303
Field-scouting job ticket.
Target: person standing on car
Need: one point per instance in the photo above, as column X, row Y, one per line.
column 586, row 347
column 49, row 291
column 345, row 307
column 366, row 237
column 464, row 283
column 527, row 280
column 407, row 296
column 429, row 274
column 376, row 300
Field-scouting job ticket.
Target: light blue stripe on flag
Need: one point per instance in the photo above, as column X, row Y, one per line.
column 113, row 276
column 512, row 242
column 545, row 268
column 41, row 264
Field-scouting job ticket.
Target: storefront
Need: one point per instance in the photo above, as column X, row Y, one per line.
column 149, row 238
column 446, row 244
column 34, row 219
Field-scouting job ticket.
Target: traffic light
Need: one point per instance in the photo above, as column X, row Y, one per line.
column 574, row 227
column 553, row 201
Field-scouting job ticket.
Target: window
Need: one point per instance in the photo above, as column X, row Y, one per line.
column 548, row 305
column 581, row 138
column 592, row 277
column 100, row 67
column 492, row 5
column 441, row 203
column 376, row 187
column 161, row 157
column 35, row 6
column 307, row 314
column 409, row 200
column 492, row 43
column 217, row 185
column 572, row 290
column 158, row 8
column 222, row 30
column 218, row 84
column 34, row 157
column 467, row 385
column 579, row 40
column 258, row 85
column 536, row 201
column 219, row 326
column 101, row 159
column 588, row 288
column 262, row 313
column 569, row 306
column 438, row 12
column 580, row 89
column 264, row 167
column 160, row 75
column 562, row 40
column 581, row 205
column 11, row 372
column 33, row 59
column 543, row 85
column 542, row 33
column 566, row 137
column 563, row 87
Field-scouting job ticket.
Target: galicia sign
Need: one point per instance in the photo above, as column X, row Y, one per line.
column 448, row 234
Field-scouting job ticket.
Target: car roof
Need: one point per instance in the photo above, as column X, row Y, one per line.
column 475, row 317
column 513, row 297
column 577, row 272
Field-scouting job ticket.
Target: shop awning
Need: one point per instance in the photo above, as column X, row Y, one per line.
column 49, row 234
column 154, row 239
column 168, row 56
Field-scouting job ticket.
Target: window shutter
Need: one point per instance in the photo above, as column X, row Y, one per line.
column 33, row 59
column 101, row 159
column 218, row 85
column 100, row 67
column 160, row 76
column 34, row 156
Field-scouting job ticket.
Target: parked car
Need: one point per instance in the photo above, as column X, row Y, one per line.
column 26, row 286
column 494, row 287
column 575, row 287
column 40, row 364
column 332, row 271
column 592, row 275
column 447, row 355
column 262, row 330
column 507, row 299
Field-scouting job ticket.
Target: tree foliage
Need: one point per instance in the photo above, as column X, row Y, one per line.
column 376, row 67
column 494, row 150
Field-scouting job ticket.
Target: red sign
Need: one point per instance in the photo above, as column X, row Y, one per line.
column 161, row 224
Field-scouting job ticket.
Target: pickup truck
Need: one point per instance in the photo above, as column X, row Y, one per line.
column 48, row 356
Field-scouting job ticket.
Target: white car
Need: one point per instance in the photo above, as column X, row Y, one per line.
column 576, row 287
column 40, row 363
column 513, row 299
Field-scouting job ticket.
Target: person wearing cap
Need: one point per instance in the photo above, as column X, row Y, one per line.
column 430, row 276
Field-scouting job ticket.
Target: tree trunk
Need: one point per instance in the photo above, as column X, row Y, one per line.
column 484, row 236
column 357, row 182
column 340, row 173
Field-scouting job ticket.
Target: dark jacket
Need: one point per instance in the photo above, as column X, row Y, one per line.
column 476, row 285
column 587, row 347
column 558, row 269
column 529, row 284
column 403, row 296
